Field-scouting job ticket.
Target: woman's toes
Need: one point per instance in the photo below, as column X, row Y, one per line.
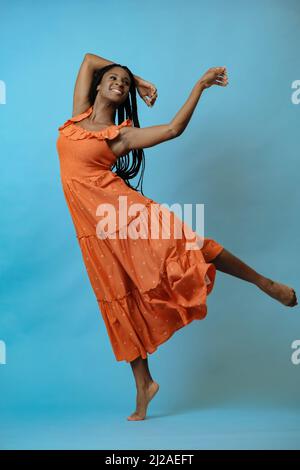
column 135, row 417
column 294, row 300
column 284, row 294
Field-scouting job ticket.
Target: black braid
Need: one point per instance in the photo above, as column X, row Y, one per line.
column 122, row 164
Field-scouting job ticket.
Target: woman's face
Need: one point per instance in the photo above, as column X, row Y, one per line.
column 115, row 85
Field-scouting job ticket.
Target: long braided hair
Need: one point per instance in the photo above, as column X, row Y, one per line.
column 129, row 106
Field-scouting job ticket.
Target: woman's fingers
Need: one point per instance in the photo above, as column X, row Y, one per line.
column 221, row 70
column 221, row 83
column 152, row 98
column 222, row 79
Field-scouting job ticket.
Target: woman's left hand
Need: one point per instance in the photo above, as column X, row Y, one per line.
column 147, row 91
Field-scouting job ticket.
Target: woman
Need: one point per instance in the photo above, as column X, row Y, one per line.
column 146, row 288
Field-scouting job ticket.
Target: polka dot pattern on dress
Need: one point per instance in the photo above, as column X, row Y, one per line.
column 146, row 289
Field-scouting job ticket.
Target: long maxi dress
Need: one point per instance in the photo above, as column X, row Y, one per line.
column 146, row 287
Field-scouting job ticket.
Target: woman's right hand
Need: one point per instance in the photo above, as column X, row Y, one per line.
column 214, row 76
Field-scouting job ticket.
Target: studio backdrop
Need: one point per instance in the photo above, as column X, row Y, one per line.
column 238, row 156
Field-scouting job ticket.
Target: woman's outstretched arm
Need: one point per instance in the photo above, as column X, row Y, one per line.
column 136, row 138
column 214, row 76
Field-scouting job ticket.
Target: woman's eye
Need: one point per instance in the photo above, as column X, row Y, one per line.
column 115, row 77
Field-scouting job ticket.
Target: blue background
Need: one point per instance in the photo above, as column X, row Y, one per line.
column 227, row 381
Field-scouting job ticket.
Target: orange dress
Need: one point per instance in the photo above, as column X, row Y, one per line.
column 146, row 288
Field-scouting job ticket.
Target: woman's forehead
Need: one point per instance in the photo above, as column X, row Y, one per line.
column 118, row 71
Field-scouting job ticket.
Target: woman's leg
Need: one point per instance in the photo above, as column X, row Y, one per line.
column 230, row 264
column 146, row 387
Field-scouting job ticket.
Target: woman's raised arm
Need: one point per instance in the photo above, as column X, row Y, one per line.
column 82, row 87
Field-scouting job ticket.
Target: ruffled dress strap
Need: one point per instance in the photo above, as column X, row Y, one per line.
column 74, row 132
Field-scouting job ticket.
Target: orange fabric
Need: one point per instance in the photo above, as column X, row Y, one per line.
column 146, row 288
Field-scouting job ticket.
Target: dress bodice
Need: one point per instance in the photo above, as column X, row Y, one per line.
column 83, row 152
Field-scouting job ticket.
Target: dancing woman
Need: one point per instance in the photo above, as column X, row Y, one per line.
column 146, row 288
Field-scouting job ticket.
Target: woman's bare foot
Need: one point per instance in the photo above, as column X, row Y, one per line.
column 284, row 294
column 144, row 396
